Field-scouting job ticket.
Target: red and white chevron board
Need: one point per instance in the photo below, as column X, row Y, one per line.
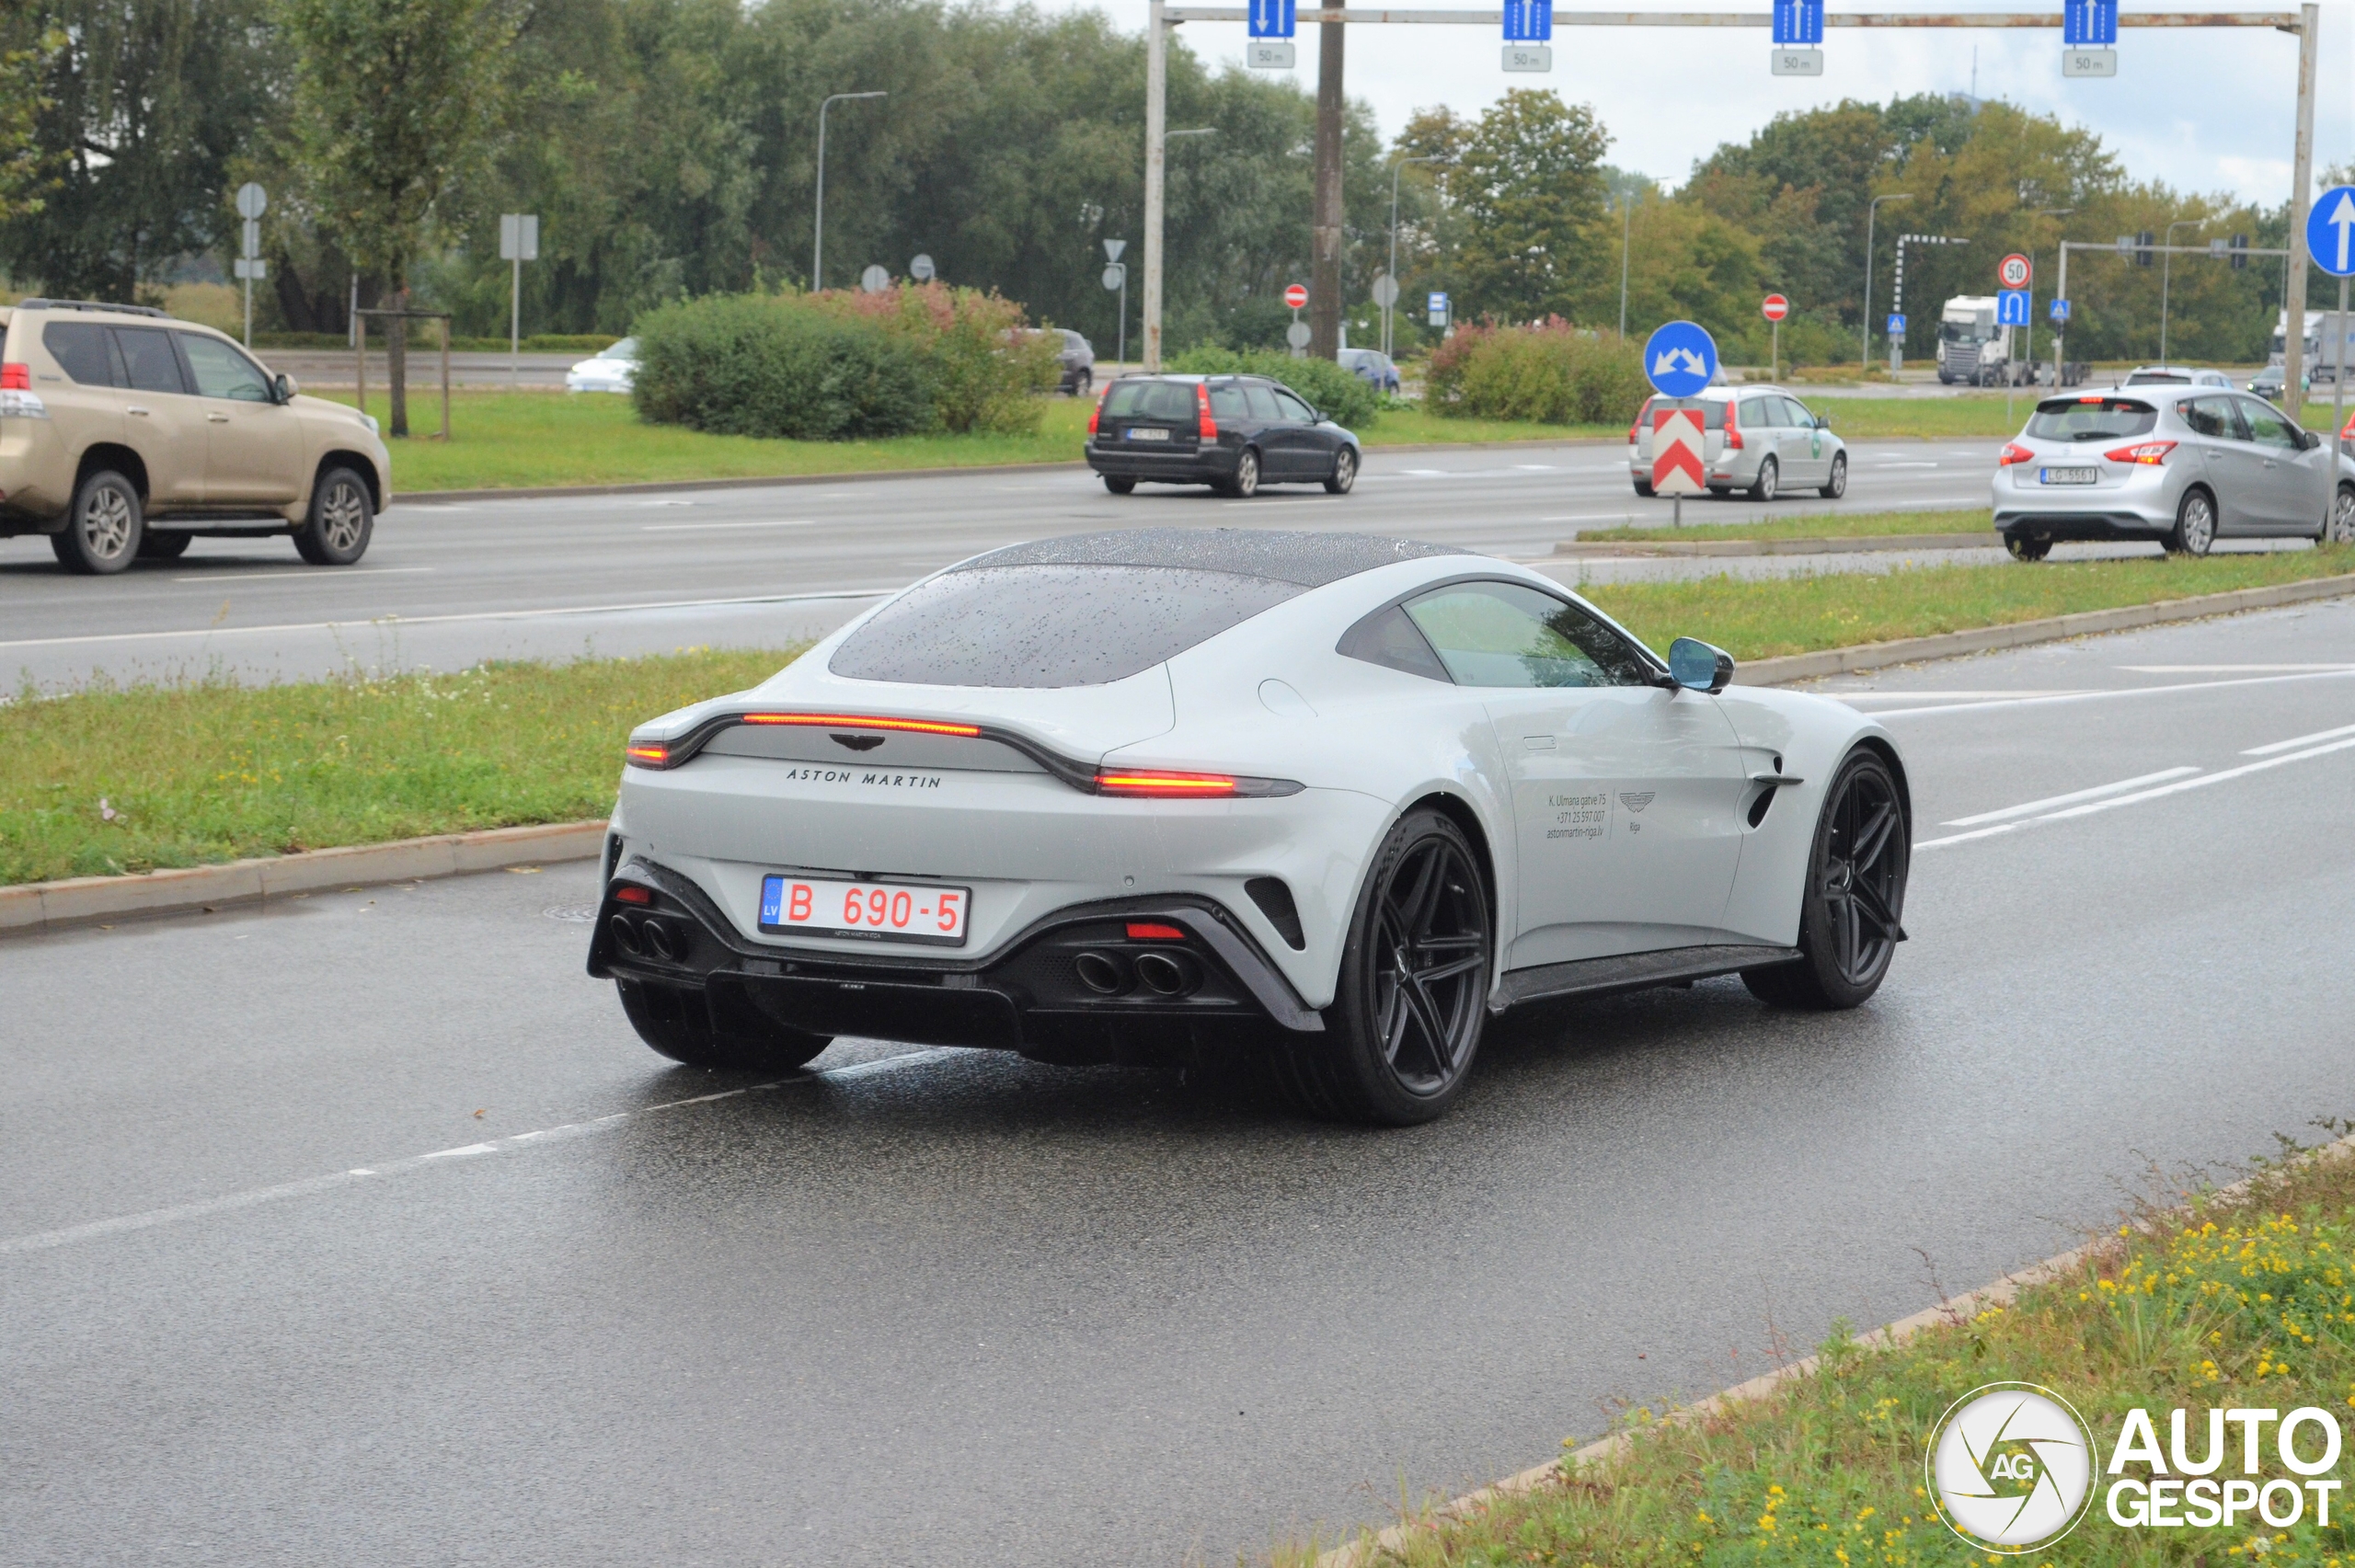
column 1676, row 452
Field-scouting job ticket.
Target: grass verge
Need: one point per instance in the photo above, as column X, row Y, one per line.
column 1755, row 618
column 2240, row 1298
column 1820, row 525
column 106, row 781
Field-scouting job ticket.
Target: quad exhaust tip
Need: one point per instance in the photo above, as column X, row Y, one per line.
column 1167, row 974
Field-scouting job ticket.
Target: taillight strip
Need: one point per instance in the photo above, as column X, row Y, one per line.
column 866, row 721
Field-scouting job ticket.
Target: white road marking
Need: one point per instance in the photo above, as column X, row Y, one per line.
column 1886, row 463
column 2201, row 781
column 2031, row 807
column 2097, row 696
column 366, row 621
column 702, row 527
column 2300, row 740
column 41, row 1241
column 1852, row 698
column 296, row 572
column 2227, row 668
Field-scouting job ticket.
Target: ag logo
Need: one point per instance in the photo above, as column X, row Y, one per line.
column 857, row 743
column 2012, row 1466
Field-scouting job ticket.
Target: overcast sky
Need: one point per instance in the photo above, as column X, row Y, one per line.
column 2205, row 110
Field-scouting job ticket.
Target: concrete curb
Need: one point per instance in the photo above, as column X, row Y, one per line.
column 50, row 905
column 1577, row 549
column 1367, row 1548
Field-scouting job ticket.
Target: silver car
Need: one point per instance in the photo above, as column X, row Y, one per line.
column 2175, row 375
column 1759, row 440
column 2174, row 470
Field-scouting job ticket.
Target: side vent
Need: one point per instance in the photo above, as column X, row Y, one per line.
column 1766, row 794
column 1275, row 902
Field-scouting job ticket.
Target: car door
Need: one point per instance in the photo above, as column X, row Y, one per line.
column 165, row 423
column 1272, row 431
column 2220, row 451
column 1623, row 793
column 1308, row 450
column 2295, row 478
column 253, row 447
column 1808, row 455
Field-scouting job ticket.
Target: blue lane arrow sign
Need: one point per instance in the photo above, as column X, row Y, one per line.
column 1799, row 22
column 1679, row 360
column 1529, row 22
column 2011, row 308
column 2089, row 24
column 2059, row 311
column 2329, row 229
column 1274, row 19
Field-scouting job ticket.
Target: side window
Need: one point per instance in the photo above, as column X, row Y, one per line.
column 1293, row 407
column 1758, row 414
column 1227, row 403
column 221, row 372
column 147, row 356
column 1795, row 413
column 2211, row 416
column 1388, row 638
column 1263, row 403
column 2268, row 428
column 1498, row 633
column 82, row 351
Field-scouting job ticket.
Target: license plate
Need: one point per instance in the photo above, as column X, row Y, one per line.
column 2069, row 475
column 893, row 911
column 1147, row 433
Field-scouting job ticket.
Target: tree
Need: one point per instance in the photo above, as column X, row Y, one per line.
column 392, row 104
column 24, row 167
column 1527, row 184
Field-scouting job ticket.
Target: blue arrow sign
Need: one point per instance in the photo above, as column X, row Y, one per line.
column 1897, row 327
column 1274, row 19
column 2059, row 311
column 2011, row 308
column 1679, row 360
column 1799, row 22
column 2329, row 228
column 1529, row 22
column 2089, row 24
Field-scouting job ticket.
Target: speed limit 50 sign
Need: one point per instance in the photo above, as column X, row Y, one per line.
column 2014, row 270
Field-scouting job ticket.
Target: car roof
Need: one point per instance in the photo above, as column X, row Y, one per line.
column 98, row 307
column 1296, row 556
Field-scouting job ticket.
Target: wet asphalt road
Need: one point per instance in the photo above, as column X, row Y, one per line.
column 948, row 1306
column 443, row 586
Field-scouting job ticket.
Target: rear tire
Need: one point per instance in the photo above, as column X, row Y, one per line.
column 157, row 544
column 1119, row 486
column 1837, row 485
column 1643, row 487
column 104, row 530
column 1404, row 1025
column 1245, row 483
column 342, row 517
column 1770, row 476
column 1855, row 895
column 1345, row 471
column 2340, row 528
column 2195, row 525
column 677, row 1023
column 2027, row 548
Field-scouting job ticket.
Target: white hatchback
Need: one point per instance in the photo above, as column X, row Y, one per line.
column 609, row 371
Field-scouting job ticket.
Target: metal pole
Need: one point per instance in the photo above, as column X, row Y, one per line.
column 1156, row 121
column 1775, row 368
column 515, row 327
column 1626, row 230
column 2302, row 180
column 359, row 353
column 2059, row 329
column 1872, row 212
column 1120, row 353
column 2338, row 401
column 1325, row 258
column 249, row 303
column 2167, row 271
column 445, row 381
column 817, row 227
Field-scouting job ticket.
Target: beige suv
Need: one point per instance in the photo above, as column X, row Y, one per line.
column 124, row 434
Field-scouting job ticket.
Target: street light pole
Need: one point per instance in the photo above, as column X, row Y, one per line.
column 1872, row 212
column 818, row 242
column 1626, row 233
column 2166, row 271
column 1395, row 167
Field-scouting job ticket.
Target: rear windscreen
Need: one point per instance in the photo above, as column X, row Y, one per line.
column 2158, row 378
column 2092, row 419
column 1713, row 413
column 1050, row 625
column 1151, row 400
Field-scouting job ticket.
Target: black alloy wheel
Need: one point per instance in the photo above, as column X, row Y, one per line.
column 1837, row 485
column 676, row 1023
column 1770, row 475
column 104, row 529
column 2028, row 546
column 2195, row 525
column 1400, row 1038
column 1345, row 471
column 1855, row 896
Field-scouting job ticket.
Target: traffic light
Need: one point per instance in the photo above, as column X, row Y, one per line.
column 2142, row 244
column 2239, row 249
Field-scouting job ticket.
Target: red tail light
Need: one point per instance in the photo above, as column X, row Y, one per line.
column 1733, row 431
column 16, row 378
column 2152, row 453
column 866, row 721
column 630, row 893
column 648, row 756
column 1165, row 786
column 1096, row 413
column 1633, row 428
column 2014, row 452
column 1151, row 930
column 1202, row 402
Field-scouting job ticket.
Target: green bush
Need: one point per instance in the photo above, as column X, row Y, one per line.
column 1339, row 395
column 776, row 366
column 1552, row 374
column 983, row 369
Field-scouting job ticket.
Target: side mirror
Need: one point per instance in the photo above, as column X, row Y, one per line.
column 1823, row 421
column 1698, row 667
column 284, row 386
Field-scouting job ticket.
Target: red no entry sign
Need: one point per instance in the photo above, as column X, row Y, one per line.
column 1297, row 296
column 2014, row 270
column 1774, row 307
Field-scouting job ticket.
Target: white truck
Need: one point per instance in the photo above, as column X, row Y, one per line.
column 2326, row 343
column 1974, row 350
